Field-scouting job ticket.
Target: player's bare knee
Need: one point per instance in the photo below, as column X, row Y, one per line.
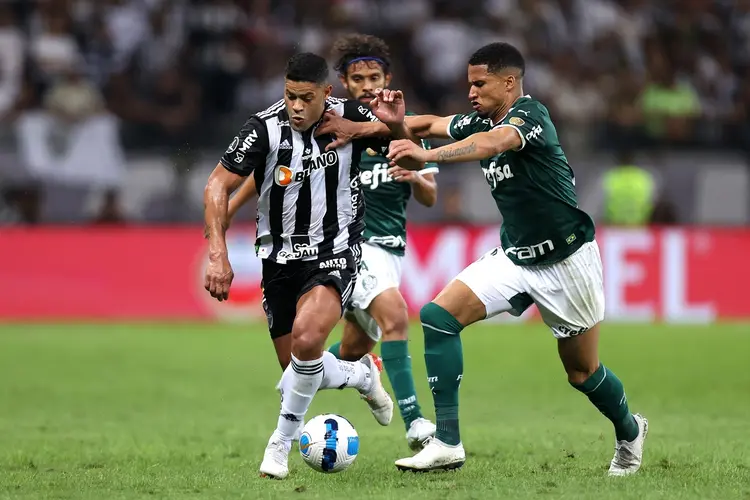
column 308, row 340
column 395, row 327
column 461, row 302
column 579, row 375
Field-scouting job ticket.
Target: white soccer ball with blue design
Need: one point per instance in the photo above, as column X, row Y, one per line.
column 329, row 443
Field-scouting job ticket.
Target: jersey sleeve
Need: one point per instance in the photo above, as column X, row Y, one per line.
column 358, row 112
column 462, row 126
column 529, row 121
column 249, row 148
column 432, row 166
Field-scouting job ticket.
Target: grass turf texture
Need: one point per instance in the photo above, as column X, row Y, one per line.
column 184, row 411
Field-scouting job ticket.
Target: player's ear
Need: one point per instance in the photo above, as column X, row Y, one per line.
column 510, row 82
column 388, row 78
column 343, row 81
column 327, row 90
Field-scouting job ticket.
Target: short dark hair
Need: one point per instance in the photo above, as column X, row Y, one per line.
column 307, row 67
column 498, row 56
column 357, row 47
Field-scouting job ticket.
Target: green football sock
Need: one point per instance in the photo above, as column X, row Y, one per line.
column 397, row 364
column 443, row 355
column 605, row 391
column 335, row 349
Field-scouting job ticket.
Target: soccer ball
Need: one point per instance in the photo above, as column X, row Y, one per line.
column 329, row 443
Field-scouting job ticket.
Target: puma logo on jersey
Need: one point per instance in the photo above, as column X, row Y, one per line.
column 523, row 111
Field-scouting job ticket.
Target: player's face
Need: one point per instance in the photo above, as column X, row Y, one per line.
column 488, row 91
column 362, row 78
column 305, row 103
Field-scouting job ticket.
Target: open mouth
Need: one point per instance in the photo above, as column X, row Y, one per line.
column 298, row 120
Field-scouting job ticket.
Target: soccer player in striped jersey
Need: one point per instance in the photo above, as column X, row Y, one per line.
column 377, row 311
column 309, row 230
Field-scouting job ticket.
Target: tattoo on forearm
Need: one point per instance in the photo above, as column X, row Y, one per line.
column 452, row 153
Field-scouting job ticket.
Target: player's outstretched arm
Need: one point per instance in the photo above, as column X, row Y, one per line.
column 346, row 131
column 475, row 147
column 429, row 126
column 423, row 185
column 221, row 183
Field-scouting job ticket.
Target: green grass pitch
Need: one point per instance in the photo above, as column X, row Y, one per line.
column 184, row 411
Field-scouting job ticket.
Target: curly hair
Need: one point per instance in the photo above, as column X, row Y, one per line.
column 356, row 46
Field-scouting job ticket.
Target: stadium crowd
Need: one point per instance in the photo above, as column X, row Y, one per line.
column 85, row 84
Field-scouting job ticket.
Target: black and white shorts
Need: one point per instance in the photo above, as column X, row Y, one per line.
column 284, row 284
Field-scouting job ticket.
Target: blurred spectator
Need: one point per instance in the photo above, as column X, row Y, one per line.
column 53, row 47
column 164, row 111
column 629, row 193
column 12, row 49
column 670, row 107
column 87, row 84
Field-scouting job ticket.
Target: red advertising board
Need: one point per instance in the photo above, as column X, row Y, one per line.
column 155, row 273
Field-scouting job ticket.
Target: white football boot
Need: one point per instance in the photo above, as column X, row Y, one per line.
column 275, row 463
column 419, row 431
column 435, row 455
column 380, row 403
column 629, row 454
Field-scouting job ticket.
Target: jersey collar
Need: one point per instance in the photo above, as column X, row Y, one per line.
column 527, row 96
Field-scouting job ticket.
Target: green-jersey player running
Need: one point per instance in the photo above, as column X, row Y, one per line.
column 547, row 255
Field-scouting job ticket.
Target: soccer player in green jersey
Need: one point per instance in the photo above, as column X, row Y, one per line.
column 377, row 311
column 548, row 255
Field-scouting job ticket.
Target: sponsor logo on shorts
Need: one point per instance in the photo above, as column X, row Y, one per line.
column 335, row 263
column 532, row 251
column 568, row 331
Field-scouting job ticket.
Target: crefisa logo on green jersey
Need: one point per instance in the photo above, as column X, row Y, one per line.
column 496, row 174
column 375, row 177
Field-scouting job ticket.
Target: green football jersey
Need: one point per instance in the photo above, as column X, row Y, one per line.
column 385, row 202
column 533, row 186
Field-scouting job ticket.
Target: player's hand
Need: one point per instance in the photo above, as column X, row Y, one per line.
column 337, row 126
column 219, row 276
column 404, row 148
column 389, row 106
column 402, row 175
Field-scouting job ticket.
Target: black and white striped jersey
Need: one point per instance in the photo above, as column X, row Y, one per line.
column 310, row 205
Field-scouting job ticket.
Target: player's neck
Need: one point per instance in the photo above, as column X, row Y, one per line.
column 503, row 109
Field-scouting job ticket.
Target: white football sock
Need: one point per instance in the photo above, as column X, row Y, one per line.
column 297, row 391
column 338, row 374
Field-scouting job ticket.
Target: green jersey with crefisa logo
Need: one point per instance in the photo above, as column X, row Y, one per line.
column 533, row 186
column 385, row 202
